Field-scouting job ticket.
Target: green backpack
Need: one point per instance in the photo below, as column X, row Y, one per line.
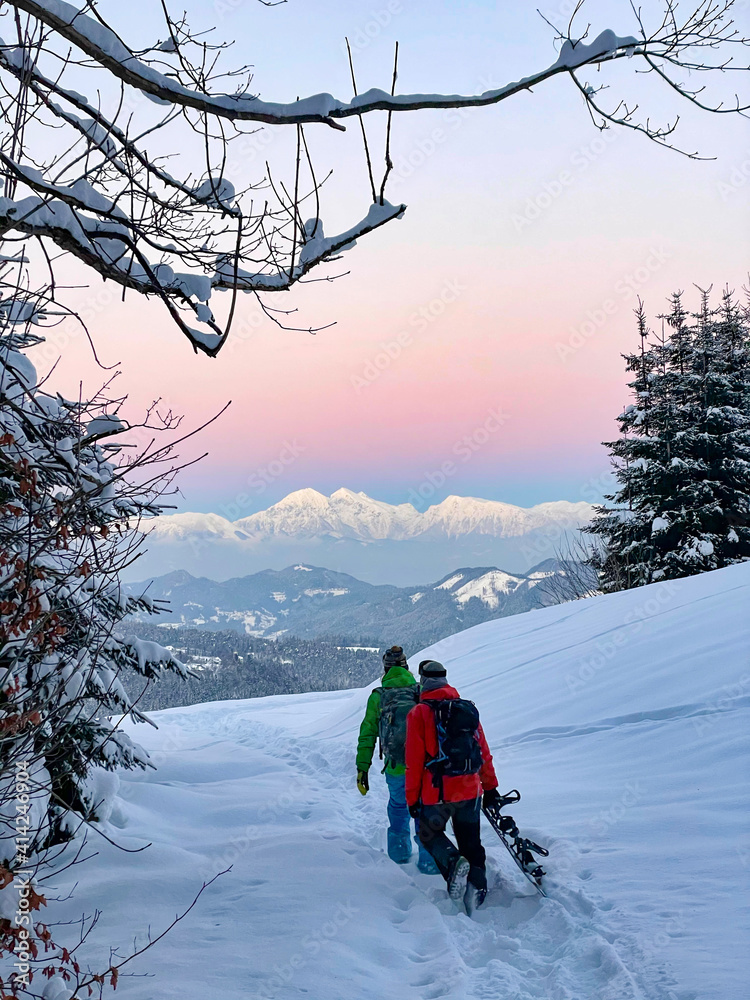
column 395, row 705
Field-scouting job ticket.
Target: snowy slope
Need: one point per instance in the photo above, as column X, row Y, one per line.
column 622, row 719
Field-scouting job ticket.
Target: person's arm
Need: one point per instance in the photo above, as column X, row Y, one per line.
column 415, row 755
column 487, row 773
column 368, row 732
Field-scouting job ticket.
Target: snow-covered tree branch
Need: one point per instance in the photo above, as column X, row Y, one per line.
column 81, row 177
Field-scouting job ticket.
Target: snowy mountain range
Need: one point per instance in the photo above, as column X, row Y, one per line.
column 353, row 533
column 311, row 602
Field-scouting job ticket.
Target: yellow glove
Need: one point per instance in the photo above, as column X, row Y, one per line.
column 363, row 782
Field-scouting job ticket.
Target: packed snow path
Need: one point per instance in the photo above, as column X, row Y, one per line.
column 623, row 721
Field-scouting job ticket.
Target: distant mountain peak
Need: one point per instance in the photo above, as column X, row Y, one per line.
column 346, row 514
column 344, row 493
column 304, row 497
column 353, row 532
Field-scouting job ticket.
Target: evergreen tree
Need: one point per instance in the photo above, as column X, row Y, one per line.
column 682, row 463
column 642, row 461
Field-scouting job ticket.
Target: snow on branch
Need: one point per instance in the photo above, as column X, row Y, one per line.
column 102, row 44
column 109, row 245
column 706, row 26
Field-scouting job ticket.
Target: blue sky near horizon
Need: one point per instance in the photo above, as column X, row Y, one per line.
column 511, row 278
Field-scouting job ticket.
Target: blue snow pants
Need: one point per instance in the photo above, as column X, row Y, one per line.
column 399, row 831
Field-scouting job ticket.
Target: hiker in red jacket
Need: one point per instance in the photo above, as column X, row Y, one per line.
column 436, row 798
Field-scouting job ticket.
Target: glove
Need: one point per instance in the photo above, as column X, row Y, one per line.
column 491, row 799
column 415, row 810
column 363, row 782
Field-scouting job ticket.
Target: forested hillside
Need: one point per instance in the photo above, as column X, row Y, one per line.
column 232, row 665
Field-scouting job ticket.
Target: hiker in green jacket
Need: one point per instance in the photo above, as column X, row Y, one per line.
column 385, row 718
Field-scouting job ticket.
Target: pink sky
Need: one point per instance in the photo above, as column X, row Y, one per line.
column 508, row 261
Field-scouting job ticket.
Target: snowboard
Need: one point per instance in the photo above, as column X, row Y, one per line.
column 522, row 849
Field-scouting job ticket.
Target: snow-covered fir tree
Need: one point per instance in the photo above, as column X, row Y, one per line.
column 682, row 462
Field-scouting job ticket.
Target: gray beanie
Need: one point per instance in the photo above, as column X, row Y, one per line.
column 431, row 668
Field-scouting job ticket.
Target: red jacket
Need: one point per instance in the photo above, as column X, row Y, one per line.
column 422, row 745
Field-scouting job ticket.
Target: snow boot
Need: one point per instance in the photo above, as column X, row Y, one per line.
column 399, row 847
column 457, row 875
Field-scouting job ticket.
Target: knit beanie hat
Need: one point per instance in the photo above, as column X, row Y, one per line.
column 394, row 657
column 431, row 668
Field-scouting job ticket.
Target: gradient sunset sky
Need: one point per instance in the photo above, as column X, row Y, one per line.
column 510, row 280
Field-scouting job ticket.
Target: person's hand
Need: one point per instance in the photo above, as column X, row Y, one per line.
column 491, row 799
column 363, row 782
column 415, row 809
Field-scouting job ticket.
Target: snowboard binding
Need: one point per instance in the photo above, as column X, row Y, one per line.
column 521, row 849
column 525, row 850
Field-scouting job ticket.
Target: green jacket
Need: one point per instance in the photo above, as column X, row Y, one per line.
column 368, row 731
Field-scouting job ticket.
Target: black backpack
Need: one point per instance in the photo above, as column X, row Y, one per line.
column 395, row 705
column 459, row 752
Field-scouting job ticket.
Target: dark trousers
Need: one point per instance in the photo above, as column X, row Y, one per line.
column 465, row 816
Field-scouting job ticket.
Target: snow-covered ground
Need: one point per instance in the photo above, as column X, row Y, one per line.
column 624, row 722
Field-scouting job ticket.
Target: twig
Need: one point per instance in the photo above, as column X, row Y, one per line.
column 388, row 161
column 362, row 125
